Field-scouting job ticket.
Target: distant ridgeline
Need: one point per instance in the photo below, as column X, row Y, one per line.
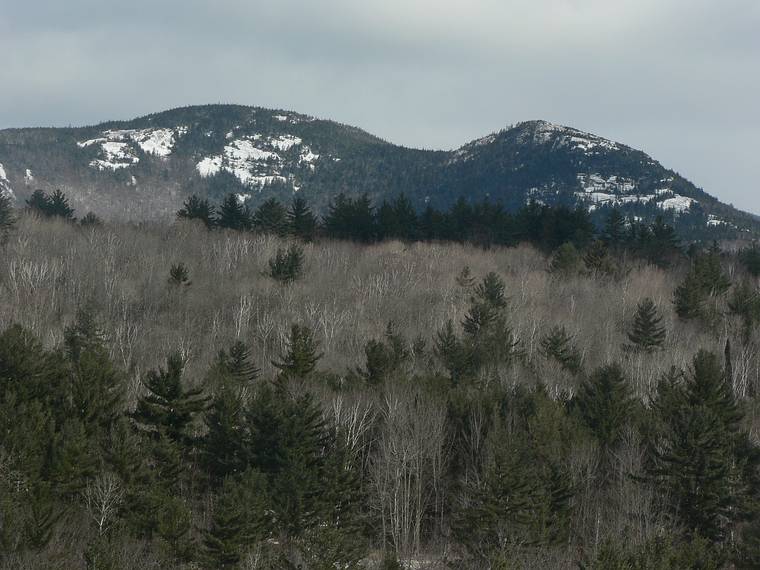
column 145, row 168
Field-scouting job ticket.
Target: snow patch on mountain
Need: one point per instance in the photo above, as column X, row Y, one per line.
column 253, row 166
column 28, row 177
column 543, row 132
column 285, row 142
column 117, row 146
column 5, row 184
column 678, row 203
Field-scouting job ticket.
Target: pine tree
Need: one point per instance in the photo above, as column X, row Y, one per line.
column 558, row 345
column 302, row 354
column 302, row 223
column 605, row 404
column 701, row 458
column 566, row 261
column 239, row 521
column 58, row 206
column 271, row 218
column 647, row 334
column 613, row 234
column 95, row 384
column 234, row 214
column 168, row 407
column 224, row 453
column 7, row 218
column 287, row 265
column 383, row 359
column 196, row 208
column 90, row 220
column 39, row 203
column 597, row 259
column 750, row 258
column 179, row 277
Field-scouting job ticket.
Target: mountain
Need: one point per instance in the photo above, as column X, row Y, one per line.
column 146, row 167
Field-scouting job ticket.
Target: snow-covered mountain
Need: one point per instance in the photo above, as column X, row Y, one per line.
column 144, row 168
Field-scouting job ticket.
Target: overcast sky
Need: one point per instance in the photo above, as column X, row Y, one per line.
column 679, row 79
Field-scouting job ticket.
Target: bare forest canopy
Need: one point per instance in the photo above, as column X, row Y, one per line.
column 192, row 396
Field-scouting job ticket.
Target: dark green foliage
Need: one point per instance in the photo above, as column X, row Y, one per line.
column 750, row 258
column 566, row 261
column 95, row 384
column 287, row 265
column 302, row 223
column 351, row 219
column 558, row 345
column 647, row 333
column 90, row 220
column 169, row 408
column 7, row 217
column 234, row 214
column 745, row 303
column 613, row 234
column 300, row 359
column 271, row 218
column 521, row 499
column 384, row 359
column 489, row 341
column 598, row 261
column 453, row 354
column 240, row 520
column 705, row 281
column 700, row 446
column 195, row 208
column 179, row 276
column 55, row 205
column 605, row 404
column 397, row 220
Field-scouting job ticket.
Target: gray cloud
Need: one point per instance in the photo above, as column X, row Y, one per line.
column 676, row 78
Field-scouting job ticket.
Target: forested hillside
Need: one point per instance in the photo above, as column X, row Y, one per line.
column 190, row 395
column 143, row 169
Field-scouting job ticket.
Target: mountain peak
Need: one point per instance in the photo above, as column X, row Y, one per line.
column 144, row 168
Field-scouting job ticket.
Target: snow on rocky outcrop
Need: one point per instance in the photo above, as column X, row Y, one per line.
column 677, row 203
column 118, row 147
column 257, row 160
column 5, row 184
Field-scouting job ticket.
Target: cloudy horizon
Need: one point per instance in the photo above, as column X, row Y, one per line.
column 676, row 79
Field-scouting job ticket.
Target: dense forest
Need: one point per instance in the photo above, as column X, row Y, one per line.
column 381, row 388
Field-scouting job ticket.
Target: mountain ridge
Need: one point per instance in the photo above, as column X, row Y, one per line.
column 143, row 168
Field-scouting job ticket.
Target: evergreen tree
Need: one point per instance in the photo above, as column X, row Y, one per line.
column 240, row 520
column 271, row 218
column 302, row 223
column 613, row 234
column 383, row 359
column 58, row 206
column 224, row 452
column 179, row 276
column 234, row 214
column 558, row 345
column 95, row 384
column 597, row 259
column 90, row 220
column 566, row 261
column 300, row 359
column 701, row 458
column 7, row 218
column 605, row 404
column 39, row 202
column 169, row 408
column 195, row 208
column 750, row 258
column 454, row 355
column 647, row 334
column 287, row 265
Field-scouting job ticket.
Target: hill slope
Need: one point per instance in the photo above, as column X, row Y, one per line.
column 144, row 168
